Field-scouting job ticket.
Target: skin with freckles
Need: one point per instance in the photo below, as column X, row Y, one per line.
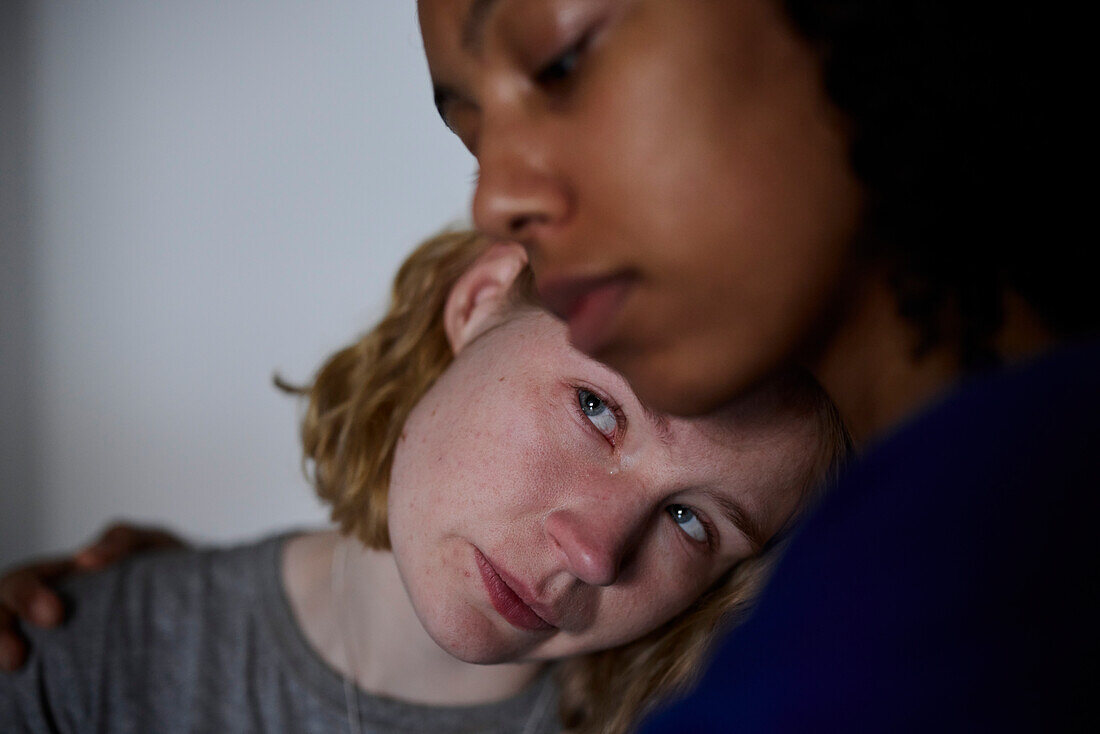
column 675, row 171
column 536, row 509
column 604, row 521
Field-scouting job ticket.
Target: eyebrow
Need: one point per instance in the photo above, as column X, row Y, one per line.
column 731, row 509
column 473, row 28
column 658, row 422
column 473, row 32
column 735, row 512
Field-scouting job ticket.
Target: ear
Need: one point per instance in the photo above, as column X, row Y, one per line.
column 477, row 299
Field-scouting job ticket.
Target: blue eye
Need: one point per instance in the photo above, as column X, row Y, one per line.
column 688, row 522
column 596, row 410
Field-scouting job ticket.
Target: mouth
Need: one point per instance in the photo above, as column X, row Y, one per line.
column 587, row 305
column 506, row 601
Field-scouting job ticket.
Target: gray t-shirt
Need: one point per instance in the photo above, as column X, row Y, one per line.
column 205, row 641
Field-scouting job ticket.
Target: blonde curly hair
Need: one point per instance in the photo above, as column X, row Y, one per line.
column 357, row 407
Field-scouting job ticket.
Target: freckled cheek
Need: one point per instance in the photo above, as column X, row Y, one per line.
column 651, row 597
column 508, row 468
column 634, row 612
column 674, row 581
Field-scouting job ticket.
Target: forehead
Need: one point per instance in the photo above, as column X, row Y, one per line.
column 455, row 28
column 452, row 23
column 756, row 455
column 766, row 446
column 760, row 451
column 763, row 422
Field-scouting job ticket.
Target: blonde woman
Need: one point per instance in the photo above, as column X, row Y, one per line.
column 521, row 545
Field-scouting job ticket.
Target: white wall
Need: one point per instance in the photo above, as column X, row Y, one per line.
column 195, row 195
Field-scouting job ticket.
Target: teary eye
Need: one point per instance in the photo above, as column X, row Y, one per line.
column 687, row 520
column 597, row 411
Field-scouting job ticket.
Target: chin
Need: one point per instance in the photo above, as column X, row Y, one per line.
column 472, row 638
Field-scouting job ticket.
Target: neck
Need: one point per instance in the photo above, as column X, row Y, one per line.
column 366, row 628
column 868, row 365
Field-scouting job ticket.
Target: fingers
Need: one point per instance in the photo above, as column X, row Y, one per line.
column 24, row 593
column 121, row 540
column 157, row 538
column 116, row 542
column 13, row 651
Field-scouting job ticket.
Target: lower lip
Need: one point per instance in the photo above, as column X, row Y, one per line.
column 591, row 318
column 505, row 601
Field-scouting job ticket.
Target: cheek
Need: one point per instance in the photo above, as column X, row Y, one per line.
column 676, row 581
column 477, row 466
column 666, row 582
column 735, row 156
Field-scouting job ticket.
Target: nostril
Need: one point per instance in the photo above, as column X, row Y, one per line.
column 513, row 199
column 517, row 223
column 586, row 549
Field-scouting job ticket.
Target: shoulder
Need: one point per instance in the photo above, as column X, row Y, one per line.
column 130, row 626
column 150, row 594
column 1031, row 413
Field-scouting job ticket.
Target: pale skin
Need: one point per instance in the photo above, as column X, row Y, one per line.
column 384, row 649
column 556, row 173
column 604, row 519
column 632, row 147
column 562, row 178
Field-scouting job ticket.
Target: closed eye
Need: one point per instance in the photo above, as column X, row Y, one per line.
column 564, row 65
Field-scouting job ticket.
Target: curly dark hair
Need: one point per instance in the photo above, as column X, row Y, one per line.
column 952, row 135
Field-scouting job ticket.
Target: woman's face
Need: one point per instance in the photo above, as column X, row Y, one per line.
column 537, row 510
column 674, row 169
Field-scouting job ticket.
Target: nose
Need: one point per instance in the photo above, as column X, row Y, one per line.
column 596, row 545
column 518, row 196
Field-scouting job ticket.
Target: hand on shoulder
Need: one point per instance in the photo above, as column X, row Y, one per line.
column 26, row 593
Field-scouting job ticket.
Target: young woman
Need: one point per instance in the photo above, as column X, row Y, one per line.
column 712, row 191
column 503, row 502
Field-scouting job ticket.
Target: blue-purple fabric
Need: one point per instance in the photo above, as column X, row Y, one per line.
column 947, row 583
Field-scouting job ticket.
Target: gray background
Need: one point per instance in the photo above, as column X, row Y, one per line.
column 193, row 196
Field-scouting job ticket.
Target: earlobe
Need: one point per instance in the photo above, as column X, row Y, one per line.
column 479, row 296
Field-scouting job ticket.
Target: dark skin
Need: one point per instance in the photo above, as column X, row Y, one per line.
column 579, row 216
column 696, row 269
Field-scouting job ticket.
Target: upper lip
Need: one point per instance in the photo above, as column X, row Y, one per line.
column 547, row 612
column 562, row 294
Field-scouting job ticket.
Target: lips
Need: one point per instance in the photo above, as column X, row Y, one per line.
column 506, row 601
column 588, row 305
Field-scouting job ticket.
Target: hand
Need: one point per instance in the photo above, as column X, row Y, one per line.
column 25, row 592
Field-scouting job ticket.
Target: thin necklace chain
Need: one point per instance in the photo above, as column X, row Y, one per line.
column 351, row 695
column 339, row 593
column 546, row 696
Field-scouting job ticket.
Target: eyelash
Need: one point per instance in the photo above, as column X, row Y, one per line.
column 616, row 410
column 554, row 72
column 711, row 541
column 712, row 532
